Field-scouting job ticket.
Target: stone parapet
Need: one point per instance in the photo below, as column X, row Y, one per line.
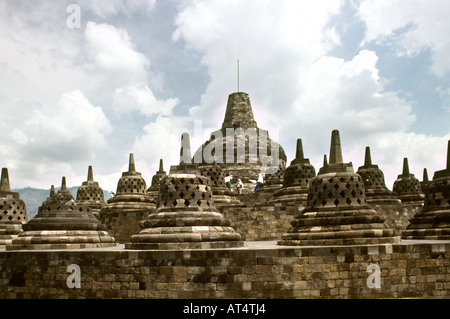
column 411, row 269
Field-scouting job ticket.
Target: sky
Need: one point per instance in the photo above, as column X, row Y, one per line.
column 88, row 82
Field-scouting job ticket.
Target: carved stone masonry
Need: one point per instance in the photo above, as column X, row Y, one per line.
column 296, row 180
column 186, row 217
column 337, row 212
column 91, row 194
column 433, row 222
column 407, row 187
column 62, row 224
column 13, row 211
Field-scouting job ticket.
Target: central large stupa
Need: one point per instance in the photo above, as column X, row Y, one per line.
column 240, row 147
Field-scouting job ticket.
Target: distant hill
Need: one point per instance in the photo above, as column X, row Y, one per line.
column 34, row 197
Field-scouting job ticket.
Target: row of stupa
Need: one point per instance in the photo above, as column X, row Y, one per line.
column 179, row 209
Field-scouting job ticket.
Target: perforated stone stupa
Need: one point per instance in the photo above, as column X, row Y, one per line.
column 63, row 195
column 407, row 187
column 13, row 211
column 296, row 180
column 222, row 196
column 128, row 206
column 375, row 188
column 433, row 222
column 425, row 181
column 337, row 212
column 152, row 191
column 186, row 217
column 91, row 194
column 62, row 224
column 240, row 147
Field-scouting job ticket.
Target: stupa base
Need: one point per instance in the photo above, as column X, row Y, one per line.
column 185, row 245
column 351, row 237
column 61, row 239
column 339, row 241
column 428, row 234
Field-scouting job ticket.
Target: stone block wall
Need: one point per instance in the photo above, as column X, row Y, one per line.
column 406, row 270
column 261, row 220
column 123, row 225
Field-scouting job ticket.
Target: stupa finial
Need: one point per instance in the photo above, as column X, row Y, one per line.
column 335, row 148
column 185, row 151
column 63, row 184
column 299, row 150
column 4, row 184
column 131, row 165
column 367, row 157
column 52, row 191
column 405, row 167
column 425, row 175
column 161, row 166
column 90, row 177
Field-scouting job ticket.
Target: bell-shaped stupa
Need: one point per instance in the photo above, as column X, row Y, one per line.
column 13, row 211
column 128, row 206
column 91, row 194
column 407, row 187
column 425, row 181
column 433, row 222
column 63, row 195
column 337, row 212
column 222, row 196
column 186, row 217
column 375, row 188
column 296, row 180
column 152, row 191
column 62, row 224
column 240, row 147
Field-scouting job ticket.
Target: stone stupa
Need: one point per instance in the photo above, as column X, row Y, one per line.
column 433, row 222
column 186, row 217
column 128, row 206
column 375, row 188
column 153, row 190
column 407, row 187
column 337, row 212
column 296, row 181
column 91, row 194
column 13, row 211
column 222, row 196
column 62, row 224
column 240, row 147
column 425, row 181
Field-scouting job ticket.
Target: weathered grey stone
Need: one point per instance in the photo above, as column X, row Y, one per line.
column 337, row 212
column 186, row 216
column 296, row 180
column 240, row 147
column 91, row 194
column 375, row 188
column 128, row 206
column 407, row 187
column 153, row 190
column 13, row 211
column 433, row 222
column 62, row 224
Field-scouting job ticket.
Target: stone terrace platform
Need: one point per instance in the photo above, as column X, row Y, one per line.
column 261, row 269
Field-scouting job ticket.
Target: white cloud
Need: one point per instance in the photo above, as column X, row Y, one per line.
column 410, row 26
column 74, row 129
column 140, row 97
column 295, row 85
column 111, row 51
column 274, row 41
